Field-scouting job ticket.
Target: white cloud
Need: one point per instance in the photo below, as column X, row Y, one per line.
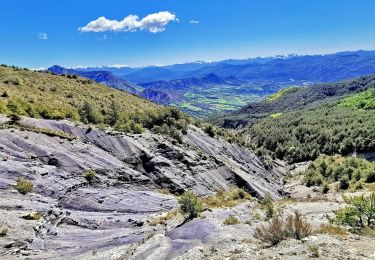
column 193, row 21
column 42, row 36
column 153, row 23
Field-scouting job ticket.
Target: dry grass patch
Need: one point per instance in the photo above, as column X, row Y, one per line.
column 284, row 202
column 228, row 199
column 332, row 230
column 370, row 186
column 278, row 229
column 162, row 220
column 231, row 220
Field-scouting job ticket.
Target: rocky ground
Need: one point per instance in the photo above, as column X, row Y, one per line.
column 129, row 210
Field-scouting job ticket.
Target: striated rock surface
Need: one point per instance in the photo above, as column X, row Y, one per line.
column 110, row 211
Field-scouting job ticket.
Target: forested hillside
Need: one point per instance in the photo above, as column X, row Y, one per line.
column 300, row 124
column 296, row 98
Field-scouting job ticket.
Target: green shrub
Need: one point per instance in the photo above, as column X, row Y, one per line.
column 231, row 220
column 313, row 180
column 348, row 216
column 325, row 188
column 359, row 213
column 89, row 114
column 23, row 186
column 210, row 130
column 268, row 205
column 90, row 175
column 349, row 171
column 344, row 183
column 190, row 204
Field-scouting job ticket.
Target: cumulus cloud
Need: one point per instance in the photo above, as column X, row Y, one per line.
column 194, row 21
column 42, row 36
column 153, row 23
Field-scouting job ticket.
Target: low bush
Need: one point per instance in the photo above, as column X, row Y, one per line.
column 267, row 204
column 23, row 186
column 90, row 175
column 190, row 204
column 277, row 229
column 360, row 212
column 231, row 220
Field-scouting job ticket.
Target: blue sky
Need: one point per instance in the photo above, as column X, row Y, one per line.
column 42, row 33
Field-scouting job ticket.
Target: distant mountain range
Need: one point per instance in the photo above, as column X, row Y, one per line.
column 179, row 84
column 311, row 68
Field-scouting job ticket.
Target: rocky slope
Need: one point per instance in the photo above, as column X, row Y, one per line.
column 78, row 216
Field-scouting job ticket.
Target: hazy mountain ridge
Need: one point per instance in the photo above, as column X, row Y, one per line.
column 315, row 68
column 104, row 77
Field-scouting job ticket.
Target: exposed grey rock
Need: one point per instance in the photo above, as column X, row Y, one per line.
column 80, row 216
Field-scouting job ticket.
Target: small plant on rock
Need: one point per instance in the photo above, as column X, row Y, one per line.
column 190, row 204
column 23, row 186
column 314, row 249
column 90, row 175
column 231, row 220
column 3, row 231
column 268, row 205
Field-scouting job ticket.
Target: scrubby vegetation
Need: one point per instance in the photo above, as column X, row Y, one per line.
column 23, row 186
column 267, row 204
column 231, row 220
column 360, row 213
column 44, row 95
column 90, row 175
column 162, row 220
column 226, row 198
column 280, row 93
column 363, row 100
column 348, row 172
column 278, row 229
column 190, row 204
column 305, row 134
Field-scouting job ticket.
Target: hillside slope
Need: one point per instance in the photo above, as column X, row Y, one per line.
column 299, row 124
column 103, row 77
column 296, row 98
